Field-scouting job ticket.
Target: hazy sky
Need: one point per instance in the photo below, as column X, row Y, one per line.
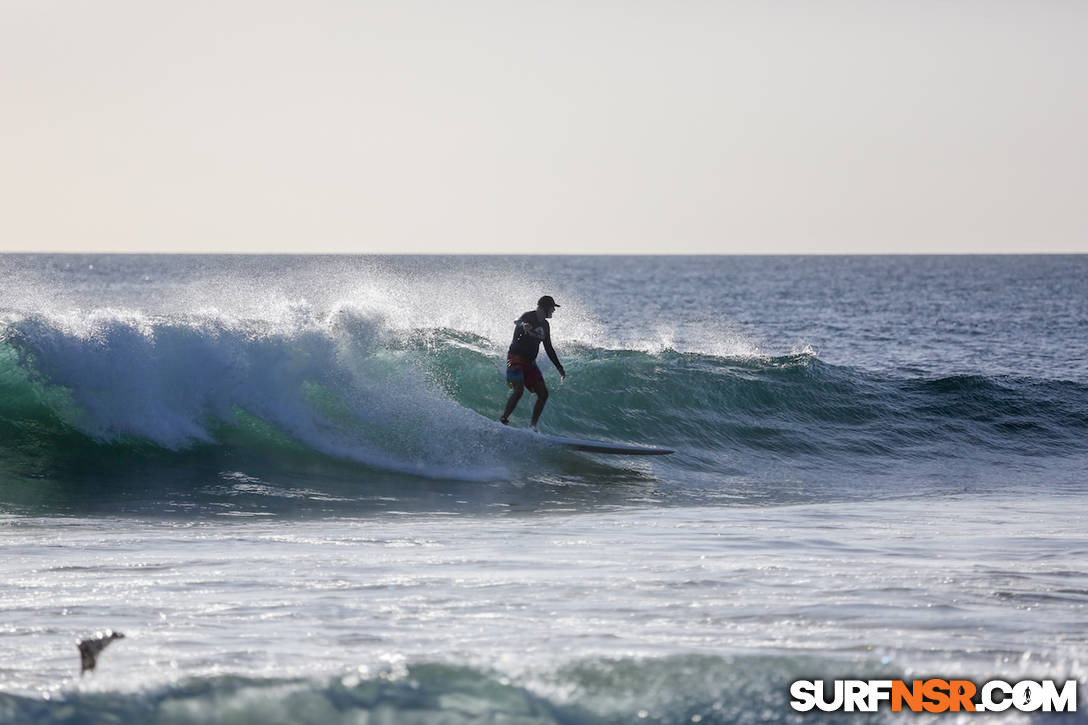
column 548, row 126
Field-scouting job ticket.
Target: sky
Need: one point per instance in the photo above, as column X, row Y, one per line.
column 545, row 127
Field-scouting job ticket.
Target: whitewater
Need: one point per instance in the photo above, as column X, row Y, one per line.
column 282, row 478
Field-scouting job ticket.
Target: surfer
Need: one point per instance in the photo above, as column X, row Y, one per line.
column 530, row 330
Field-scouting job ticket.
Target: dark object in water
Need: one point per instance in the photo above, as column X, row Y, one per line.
column 89, row 649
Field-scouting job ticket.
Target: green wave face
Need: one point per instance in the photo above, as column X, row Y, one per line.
column 680, row 689
column 347, row 403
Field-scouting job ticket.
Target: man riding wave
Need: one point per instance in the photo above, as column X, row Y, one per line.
column 530, row 330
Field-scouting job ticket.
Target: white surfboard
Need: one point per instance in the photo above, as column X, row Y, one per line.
column 622, row 449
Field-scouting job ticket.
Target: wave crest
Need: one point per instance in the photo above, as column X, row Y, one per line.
column 423, row 401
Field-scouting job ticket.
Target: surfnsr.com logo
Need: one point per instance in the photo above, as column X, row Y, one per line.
column 934, row 695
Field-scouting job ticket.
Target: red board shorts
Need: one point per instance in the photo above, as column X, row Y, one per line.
column 520, row 370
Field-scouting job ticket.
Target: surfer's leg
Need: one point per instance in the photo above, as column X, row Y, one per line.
column 541, row 391
column 512, row 402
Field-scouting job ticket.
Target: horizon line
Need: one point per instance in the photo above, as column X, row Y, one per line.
column 546, row 254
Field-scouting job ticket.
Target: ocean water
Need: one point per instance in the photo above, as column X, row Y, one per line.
column 282, row 479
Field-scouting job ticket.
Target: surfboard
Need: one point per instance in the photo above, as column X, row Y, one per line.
column 622, row 449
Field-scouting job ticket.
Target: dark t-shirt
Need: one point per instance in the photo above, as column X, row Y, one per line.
column 527, row 345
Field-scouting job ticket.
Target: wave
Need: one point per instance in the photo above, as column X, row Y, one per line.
column 330, row 386
column 422, row 402
column 680, row 689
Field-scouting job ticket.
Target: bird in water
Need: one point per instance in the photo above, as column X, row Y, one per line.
column 89, row 649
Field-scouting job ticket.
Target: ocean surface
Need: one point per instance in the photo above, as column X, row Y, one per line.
column 282, row 478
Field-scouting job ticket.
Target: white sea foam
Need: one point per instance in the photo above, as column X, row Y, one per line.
column 479, row 296
column 628, row 598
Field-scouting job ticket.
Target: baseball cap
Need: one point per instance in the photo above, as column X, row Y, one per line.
column 546, row 301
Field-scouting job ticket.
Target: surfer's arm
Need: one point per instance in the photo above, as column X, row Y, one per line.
column 551, row 354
